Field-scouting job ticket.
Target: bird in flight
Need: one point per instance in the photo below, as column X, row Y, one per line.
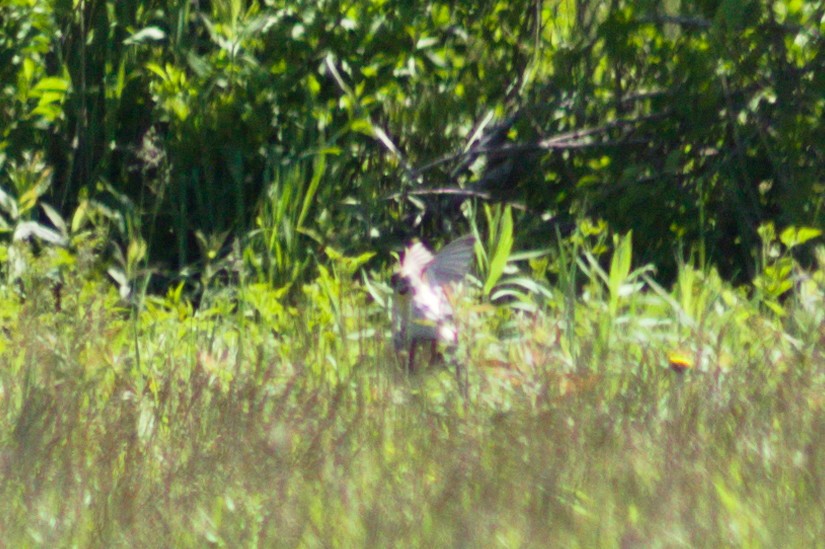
column 421, row 310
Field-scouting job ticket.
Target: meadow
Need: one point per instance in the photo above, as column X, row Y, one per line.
column 602, row 411
column 199, row 207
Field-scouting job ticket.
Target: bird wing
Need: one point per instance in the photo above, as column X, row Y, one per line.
column 415, row 260
column 452, row 262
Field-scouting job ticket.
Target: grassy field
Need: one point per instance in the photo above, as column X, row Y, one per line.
column 610, row 413
column 199, row 203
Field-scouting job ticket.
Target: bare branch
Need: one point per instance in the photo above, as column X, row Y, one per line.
column 577, row 139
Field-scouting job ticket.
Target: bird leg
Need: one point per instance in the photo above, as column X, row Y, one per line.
column 411, row 358
column 463, row 379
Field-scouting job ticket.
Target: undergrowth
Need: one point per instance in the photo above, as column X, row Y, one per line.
column 603, row 410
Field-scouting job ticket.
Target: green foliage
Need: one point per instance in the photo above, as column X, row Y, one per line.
column 30, row 95
column 251, row 419
column 30, row 180
column 241, row 171
column 280, row 245
column 499, row 243
column 297, row 125
column 685, row 109
column 779, row 269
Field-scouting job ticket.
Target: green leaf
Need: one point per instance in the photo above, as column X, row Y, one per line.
column 52, row 84
column 362, row 125
column 157, row 69
column 620, row 262
column 8, row 204
column 796, row 236
column 502, row 250
column 56, row 219
column 619, row 267
column 80, row 215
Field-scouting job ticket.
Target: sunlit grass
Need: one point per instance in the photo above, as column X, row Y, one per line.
column 249, row 421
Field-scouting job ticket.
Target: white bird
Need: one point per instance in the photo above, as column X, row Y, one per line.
column 421, row 310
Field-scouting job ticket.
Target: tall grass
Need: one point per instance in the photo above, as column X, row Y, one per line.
column 255, row 421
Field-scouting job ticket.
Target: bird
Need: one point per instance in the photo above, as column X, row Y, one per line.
column 421, row 310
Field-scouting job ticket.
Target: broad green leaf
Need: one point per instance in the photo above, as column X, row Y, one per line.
column 56, row 219
column 52, row 84
column 796, row 236
column 80, row 215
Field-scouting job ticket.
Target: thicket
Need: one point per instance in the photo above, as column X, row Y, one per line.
column 290, row 127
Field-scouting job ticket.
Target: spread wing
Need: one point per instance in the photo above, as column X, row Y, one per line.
column 415, row 260
column 452, row 262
